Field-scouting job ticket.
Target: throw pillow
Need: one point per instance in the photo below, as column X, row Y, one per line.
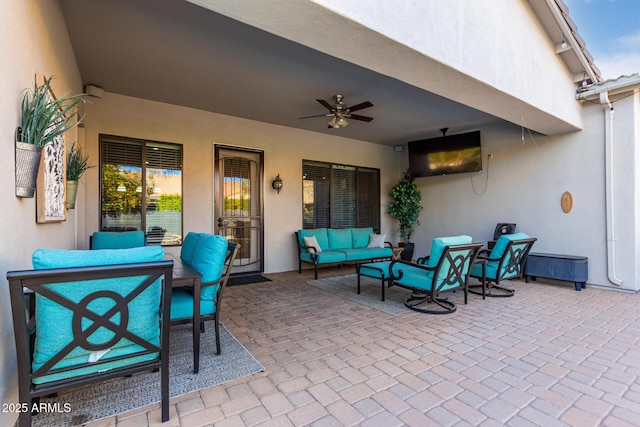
column 376, row 240
column 313, row 242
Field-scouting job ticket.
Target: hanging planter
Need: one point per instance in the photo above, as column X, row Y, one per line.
column 72, row 192
column 77, row 165
column 45, row 119
column 27, row 166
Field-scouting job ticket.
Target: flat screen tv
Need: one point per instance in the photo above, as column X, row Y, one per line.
column 445, row 155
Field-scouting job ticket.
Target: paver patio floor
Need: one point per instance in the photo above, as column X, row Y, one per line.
column 549, row 356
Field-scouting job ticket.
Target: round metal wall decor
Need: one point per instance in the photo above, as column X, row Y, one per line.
column 566, row 202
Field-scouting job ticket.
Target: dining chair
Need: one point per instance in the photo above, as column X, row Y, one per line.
column 213, row 257
column 117, row 239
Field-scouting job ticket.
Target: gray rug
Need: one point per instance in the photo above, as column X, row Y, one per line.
column 118, row 395
column 370, row 293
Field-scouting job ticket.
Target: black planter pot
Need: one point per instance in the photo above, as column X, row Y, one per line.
column 407, row 253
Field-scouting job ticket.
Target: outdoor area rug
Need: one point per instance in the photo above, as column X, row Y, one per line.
column 100, row 400
column 247, row 280
column 347, row 287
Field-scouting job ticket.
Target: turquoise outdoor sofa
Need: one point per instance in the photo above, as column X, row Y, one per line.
column 331, row 246
column 85, row 316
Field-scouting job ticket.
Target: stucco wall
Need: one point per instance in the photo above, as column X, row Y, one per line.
column 284, row 148
column 34, row 40
column 524, row 185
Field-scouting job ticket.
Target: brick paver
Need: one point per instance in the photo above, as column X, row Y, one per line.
column 547, row 356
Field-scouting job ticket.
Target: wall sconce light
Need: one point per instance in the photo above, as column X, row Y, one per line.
column 277, row 183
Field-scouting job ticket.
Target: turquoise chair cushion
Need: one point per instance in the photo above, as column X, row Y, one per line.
column 503, row 241
column 182, row 304
column 189, row 245
column 117, row 240
column 413, row 277
column 439, row 243
column 379, row 270
column 54, row 321
column 208, row 260
column 340, row 239
column 321, row 237
column 423, row 279
column 360, row 237
column 496, row 253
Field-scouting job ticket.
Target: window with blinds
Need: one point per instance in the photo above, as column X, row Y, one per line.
column 340, row 196
column 141, row 188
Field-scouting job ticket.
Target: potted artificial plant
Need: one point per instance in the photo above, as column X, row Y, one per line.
column 405, row 206
column 44, row 120
column 77, row 165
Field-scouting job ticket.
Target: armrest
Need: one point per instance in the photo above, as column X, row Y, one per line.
column 409, row 264
column 423, row 260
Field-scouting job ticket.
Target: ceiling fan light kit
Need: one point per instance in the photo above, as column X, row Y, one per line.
column 339, row 112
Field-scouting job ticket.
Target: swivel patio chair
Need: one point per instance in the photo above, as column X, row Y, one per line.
column 86, row 316
column 213, row 257
column 445, row 269
column 504, row 262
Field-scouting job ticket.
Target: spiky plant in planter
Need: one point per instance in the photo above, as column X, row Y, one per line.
column 44, row 119
column 77, row 165
column 405, row 206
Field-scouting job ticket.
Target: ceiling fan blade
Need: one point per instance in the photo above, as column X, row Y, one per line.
column 359, row 117
column 319, row 115
column 361, row 106
column 325, row 104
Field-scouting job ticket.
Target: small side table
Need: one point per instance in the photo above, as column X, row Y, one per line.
column 397, row 252
column 483, row 263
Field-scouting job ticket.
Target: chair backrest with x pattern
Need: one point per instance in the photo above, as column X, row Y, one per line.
column 453, row 268
column 511, row 266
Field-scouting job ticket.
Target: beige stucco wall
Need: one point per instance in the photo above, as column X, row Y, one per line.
column 34, row 40
column 524, row 183
column 284, row 149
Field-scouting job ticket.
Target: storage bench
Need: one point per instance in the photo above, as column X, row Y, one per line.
column 559, row 267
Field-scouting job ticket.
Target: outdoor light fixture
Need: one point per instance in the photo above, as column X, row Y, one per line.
column 277, row 183
column 121, row 188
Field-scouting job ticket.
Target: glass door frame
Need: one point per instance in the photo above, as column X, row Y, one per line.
column 217, row 197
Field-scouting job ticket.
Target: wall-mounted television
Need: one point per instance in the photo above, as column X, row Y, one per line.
column 445, row 155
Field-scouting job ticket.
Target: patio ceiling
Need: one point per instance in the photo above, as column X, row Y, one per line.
column 180, row 53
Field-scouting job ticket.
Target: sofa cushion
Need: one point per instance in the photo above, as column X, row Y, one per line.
column 311, row 241
column 360, row 237
column 117, row 240
column 376, row 240
column 321, row 237
column 208, row 260
column 325, row 257
column 55, row 321
column 366, row 253
column 339, row 238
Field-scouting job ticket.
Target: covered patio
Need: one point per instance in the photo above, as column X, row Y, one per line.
column 548, row 356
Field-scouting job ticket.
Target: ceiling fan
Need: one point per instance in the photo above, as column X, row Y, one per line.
column 340, row 112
